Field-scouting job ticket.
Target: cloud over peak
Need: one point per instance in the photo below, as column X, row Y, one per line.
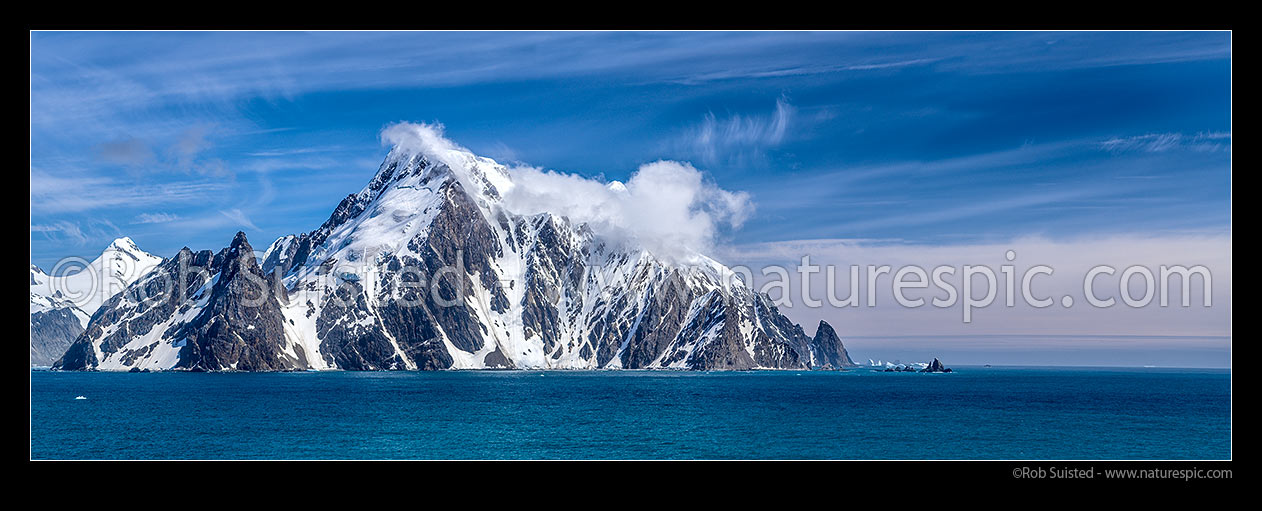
column 670, row 208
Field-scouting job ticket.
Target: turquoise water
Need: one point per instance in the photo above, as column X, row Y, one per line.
column 974, row 413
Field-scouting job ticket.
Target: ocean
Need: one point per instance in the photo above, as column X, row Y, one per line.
column 973, row 413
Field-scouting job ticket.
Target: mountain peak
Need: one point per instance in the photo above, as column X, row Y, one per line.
column 240, row 246
column 531, row 285
column 828, row 348
column 415, row 143
column 125, row 244
column 81, row 289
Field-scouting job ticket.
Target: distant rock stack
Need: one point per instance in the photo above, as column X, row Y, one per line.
column 827, row 350
column 936, row 367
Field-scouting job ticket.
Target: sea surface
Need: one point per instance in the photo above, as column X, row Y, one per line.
column 973, row 413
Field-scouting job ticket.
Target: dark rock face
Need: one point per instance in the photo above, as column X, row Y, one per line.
column 827, row 348
column 936, row 367
column 781, row 344
column 52, row 331
column 459, row 243
column 292, row 251
column 725, row 350
column 232, row 324
column 556, row 269
column 659, row 322
column 355, row 339
column 459, row 239
column 612, row 318
column 147, row 303
column 240, row 327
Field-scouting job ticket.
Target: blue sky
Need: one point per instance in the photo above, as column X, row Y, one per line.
column 936, row 138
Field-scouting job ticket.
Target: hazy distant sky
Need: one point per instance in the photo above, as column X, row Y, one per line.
column 903, row 144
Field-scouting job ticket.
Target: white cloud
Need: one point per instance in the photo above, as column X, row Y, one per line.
column 502, row 152
column 79, row 233
column 64, row 194
column 426, row 139
column 769, row 70
column 889, row 65
column 67, row 229
column 239, row 217
column 739, row 134
column 1162, row 142
column 668, row 207
column 155, row 218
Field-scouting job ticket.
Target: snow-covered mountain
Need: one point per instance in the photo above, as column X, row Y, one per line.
column 61, row 305
column 426, row 268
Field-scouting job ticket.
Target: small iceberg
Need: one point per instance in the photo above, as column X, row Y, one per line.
column 80, row 397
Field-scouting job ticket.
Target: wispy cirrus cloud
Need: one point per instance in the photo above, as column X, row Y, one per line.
column 77, row 233
column 69, row 230
column 765, row 71
column 238, row 217
column 69, row 194
column 155, row 218
column 293, row 151
column 1162, row 142
column 737, row 135
column 889, row 64
column 88, row 83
